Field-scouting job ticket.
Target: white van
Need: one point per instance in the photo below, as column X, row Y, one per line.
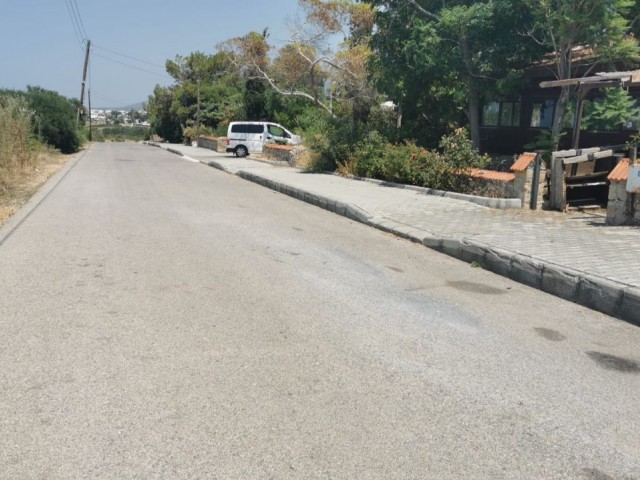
column 244, row 138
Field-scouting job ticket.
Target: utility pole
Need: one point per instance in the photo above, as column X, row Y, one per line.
column 90, row 119
column 84, row 80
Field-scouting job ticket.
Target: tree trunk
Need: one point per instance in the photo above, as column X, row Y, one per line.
column 558, row 117
column 473, row 112
column 474, row 117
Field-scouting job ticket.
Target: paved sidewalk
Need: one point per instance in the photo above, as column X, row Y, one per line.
column 575, row 257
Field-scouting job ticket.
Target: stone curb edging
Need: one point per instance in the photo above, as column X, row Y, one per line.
column 498, row 203
column 12, row 224
column 350, row 211
column 593, row 292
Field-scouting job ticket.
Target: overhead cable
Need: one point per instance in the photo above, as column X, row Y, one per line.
column 128, row 56
column 164, row 75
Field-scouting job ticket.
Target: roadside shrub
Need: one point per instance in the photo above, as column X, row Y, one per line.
column 18, row 149
column 351, row 151
column 189, row 134
column 55, row 119
column 459, row 155
column 368, row 158
column 333, row 142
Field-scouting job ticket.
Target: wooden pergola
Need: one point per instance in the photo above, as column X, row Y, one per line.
column 586, row 84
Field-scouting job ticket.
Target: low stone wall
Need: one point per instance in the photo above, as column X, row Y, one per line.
column 282, row 153
column 212, row 143
column 493, row 184
column 623, row 208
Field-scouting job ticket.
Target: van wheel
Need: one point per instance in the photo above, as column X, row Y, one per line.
column 241, row 151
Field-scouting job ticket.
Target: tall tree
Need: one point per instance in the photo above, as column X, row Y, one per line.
column 308, row 63
column 445, row 56
column 581, row 35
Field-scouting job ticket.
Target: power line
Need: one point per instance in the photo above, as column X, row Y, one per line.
column 80, row 22
column 74, row 19
column 128, row 56
column 131, row 66
column 73, row 24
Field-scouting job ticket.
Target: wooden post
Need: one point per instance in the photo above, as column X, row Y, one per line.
column 557, row 193
column 535, row 183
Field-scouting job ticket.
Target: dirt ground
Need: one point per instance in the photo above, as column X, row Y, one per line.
column 28, row 183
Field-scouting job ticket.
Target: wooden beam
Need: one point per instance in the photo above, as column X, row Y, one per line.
column 584, row 151
column 560, row 83
column 588, row 157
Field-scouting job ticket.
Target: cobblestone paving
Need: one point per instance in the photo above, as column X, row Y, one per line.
column 579, row 242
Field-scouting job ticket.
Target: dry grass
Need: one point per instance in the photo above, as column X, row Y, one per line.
column 24, row 183
column 24, row 163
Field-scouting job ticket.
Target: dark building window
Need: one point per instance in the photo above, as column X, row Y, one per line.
column 542, row 113
column 501, row 114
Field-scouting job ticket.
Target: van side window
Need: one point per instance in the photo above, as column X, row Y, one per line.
column 239, row 128
column 255, row 128
column 276, row 131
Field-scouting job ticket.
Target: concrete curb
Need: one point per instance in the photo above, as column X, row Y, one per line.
column 606, row 296
column 43, row 192
column 350, row 211
column 497, row 203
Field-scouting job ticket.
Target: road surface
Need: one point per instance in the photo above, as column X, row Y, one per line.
column 162, row 319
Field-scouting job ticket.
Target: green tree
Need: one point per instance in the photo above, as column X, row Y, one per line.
column 55, row 118
column 161, row 115
column 612, row 111
column 575, row 32
column 437, row 60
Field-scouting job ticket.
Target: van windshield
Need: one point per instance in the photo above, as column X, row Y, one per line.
column 278, row 131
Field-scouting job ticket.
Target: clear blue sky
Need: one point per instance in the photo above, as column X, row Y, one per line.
column 38, row 44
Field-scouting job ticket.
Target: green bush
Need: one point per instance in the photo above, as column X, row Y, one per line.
column 55, row 119
column 345, row 147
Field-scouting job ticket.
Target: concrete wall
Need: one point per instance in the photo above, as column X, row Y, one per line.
column 211, row 143
column 494, row 188
column 282, row 153
column 623, row 207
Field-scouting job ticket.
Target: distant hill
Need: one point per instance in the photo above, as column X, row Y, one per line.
column 134, row 106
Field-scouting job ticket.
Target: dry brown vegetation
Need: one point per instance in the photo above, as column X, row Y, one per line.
column 24, row 163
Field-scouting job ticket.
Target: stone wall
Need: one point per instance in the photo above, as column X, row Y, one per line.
column 212, row 143
column 623, row 208
column 523, row 185
column 282, row 153
column 493, row 188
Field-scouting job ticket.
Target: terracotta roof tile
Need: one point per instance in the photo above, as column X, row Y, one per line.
column 523, row 162
column 491, row 175
column 621, row 172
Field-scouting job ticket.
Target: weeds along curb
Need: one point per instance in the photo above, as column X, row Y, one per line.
column 43, row 192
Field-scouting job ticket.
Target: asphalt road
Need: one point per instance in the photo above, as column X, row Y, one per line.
column 162, row 319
